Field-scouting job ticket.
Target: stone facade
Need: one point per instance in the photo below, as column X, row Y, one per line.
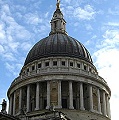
column 65, row 86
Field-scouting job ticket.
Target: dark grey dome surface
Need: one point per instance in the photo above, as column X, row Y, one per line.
column 58, row 45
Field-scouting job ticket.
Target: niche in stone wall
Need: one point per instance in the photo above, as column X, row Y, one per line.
column 95, row 98
column 32, row 96
column 65, row 93
column 43, row 95
column 54, row 93
column 75, row 95
column 24, row 96
column 17, row 101
column 86, row 96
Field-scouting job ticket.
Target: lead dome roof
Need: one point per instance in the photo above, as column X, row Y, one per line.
column 57, row 45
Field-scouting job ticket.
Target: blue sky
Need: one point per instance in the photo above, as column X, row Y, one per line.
column 95, row 23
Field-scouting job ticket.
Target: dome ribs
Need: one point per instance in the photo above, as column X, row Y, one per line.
column 58, row 45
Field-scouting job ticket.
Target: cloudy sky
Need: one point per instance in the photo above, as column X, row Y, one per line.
column 95, row 23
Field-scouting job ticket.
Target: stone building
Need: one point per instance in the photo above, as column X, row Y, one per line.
column 59, row 72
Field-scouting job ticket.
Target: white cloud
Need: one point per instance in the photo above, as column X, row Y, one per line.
column 25, row 46
column 12, row 37
column 111, row 39
column 9, row 57
column 67, row 1
column 13, row 68
column 106, row 60
column 88, row 27
column 33, row 18
column 1, row 49
column 114, row 11
column 115, row 24
column 85, row 14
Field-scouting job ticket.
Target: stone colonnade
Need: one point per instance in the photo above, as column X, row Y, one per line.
column 103, row 106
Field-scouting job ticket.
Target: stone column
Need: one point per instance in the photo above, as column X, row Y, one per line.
column 99, row 104
column 37, row 96
column 51, row 63
column 104, row 103
column 42, row 64
column 75, row 64
column 109, row 112
column 78, row 96
column 10, row 104
column 81, row 97
column 67, row 63
column 20, row 99
column 108, row 107
column 48, row 95
column 14, row 103
column 28, row 98
column 90, row 98
column 70, row 95
column 59, row 95
column 59, row 64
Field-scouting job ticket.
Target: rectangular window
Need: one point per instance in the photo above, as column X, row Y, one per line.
column 85, row 67
column 39, row 65
column 78, row 65
column 54, row 63
column 71, row 64
column 90, row 70
column 47, row 64
column 33, row 67
column 27, row 69
column 63, row 63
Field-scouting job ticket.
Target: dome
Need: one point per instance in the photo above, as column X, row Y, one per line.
column 57, row 45
column 59, row 81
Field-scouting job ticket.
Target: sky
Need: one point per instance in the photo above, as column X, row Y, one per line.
column 95, row 23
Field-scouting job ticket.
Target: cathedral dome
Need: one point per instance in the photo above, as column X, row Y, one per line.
column 59, row 75
column 58, row 45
